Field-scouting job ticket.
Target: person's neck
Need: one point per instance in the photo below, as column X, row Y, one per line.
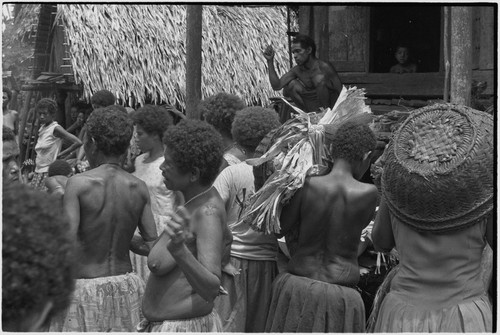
column 196, row 190
column 156, row 152
column 341, row 167
column 310, row 63
column 102, row 160
column 227, row 142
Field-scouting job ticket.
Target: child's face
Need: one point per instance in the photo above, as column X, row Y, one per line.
column 402, row 55
column 45, row 116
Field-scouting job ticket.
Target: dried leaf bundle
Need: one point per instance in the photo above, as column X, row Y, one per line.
column 298, row 151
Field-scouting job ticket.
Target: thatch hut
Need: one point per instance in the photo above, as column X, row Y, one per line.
column 138, row 51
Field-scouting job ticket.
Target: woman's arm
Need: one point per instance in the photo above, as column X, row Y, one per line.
column 203, row 274
column 146, row 225
column 382, row 235
column 66, row 136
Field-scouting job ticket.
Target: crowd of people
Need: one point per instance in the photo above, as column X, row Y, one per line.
column 149, row 237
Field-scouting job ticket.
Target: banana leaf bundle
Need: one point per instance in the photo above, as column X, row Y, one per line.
column 298, row 151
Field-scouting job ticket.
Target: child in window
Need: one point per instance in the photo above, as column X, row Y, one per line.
column 404, row 64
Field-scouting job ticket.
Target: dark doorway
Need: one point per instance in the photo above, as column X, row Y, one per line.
column 417, row 26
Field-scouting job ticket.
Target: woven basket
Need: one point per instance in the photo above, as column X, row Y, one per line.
column 438, row 174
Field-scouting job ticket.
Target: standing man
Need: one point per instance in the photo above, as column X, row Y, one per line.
column 312, row 83
column 316, row 293
column 10, row 155
column 104, row 206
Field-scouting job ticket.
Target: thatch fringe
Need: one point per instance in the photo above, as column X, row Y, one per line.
column 139, row 50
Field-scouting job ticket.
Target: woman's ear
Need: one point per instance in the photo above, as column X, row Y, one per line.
column 195, row 174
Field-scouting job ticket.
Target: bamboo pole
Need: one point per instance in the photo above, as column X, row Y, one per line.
column 461, row 55
column 193, row 59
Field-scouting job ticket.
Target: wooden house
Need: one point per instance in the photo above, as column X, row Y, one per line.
column 453, row 46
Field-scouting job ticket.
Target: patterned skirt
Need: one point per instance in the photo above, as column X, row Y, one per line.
column 38, row 181
column 102, row 305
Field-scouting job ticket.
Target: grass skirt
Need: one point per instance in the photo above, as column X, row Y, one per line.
column 203, row 324
column 102, row 305
column 300, row 304
column 245, row 307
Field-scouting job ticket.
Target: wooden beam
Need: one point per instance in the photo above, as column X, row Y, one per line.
column 409, row 85
column 193, row 59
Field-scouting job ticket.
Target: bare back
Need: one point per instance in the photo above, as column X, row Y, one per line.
column 333, row 210
column 105, row 206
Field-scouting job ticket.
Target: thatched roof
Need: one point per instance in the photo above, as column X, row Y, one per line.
column 136, row 49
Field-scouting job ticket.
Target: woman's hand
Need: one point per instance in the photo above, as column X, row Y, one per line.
column 178, row 228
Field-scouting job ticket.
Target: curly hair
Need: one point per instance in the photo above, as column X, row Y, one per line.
column 111, row 129
column 251, row 124
column 195, row 144
column 103, row 98
column 47, row 103
column 8, row 134
column 219, row 111
column 153, row 119
column 351, row 141
column 59, row 167
column 8, row 91
column 37, row 253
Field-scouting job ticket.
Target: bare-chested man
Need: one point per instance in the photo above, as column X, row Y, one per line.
column 312, row 83
column 10, row 117
column 104, row 206
column 329, row 212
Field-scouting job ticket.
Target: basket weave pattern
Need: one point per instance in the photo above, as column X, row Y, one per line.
column 438, row 175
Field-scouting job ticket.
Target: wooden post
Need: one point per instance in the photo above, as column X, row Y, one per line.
column 305, row 13
column 22, row 125
column 321, row 32
column 67, row 110
column 193, row 59
column 461, row 55
column 446, row 53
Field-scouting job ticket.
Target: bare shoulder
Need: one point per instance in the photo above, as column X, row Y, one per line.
column 368, row 193
column 210, row 209
column 326, row 67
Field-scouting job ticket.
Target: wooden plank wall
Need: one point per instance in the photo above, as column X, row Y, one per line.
column 408, row 85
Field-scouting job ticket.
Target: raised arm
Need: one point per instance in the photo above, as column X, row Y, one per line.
column 66, row 136
column 382, row 235
column 276, row 82
column 202, row 273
